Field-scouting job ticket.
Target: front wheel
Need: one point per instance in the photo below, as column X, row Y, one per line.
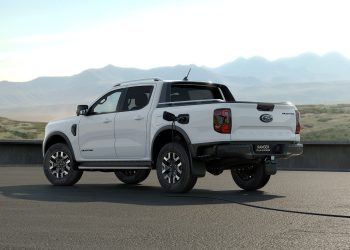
column 251, row 177
column 59, row 166
column 174, row 170
column 132, row 176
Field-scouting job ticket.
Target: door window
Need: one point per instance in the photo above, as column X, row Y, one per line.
column 106, row 104
column 137, row 98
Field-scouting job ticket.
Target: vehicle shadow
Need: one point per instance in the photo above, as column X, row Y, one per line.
column 127, row 194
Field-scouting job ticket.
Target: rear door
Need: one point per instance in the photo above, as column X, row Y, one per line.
column 131, row 123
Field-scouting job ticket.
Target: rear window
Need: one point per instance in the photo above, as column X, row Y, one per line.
column 180, row 93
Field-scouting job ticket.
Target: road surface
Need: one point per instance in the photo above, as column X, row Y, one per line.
column 296, row 210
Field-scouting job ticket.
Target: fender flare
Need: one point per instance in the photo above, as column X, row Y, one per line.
column 61, row 135
column 178, row 129
column 197, row 167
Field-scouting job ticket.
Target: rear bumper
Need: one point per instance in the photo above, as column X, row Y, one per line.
column 246, row 151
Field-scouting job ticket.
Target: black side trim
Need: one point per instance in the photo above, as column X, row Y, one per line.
column 176, row 104
column 280, row 103
column 100, row 165
column 74, row 129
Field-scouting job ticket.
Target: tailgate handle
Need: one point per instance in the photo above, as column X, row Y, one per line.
column 265, row 107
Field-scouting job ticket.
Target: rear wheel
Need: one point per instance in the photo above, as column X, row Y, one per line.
column 59, row 166
column 174, row 170
column 251, row 177
column 132, row 176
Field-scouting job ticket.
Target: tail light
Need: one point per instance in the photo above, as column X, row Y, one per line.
column 298, row 126
column 222, row 121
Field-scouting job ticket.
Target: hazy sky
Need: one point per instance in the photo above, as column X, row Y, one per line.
column 47, row 38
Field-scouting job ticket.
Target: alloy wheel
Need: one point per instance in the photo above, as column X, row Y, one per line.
column 171, row 167
column 60, row 164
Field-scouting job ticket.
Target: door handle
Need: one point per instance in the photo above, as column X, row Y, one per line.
column 107, row 121
column 138, row 117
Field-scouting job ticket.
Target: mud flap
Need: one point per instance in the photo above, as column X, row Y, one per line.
column 198, row 168
column 270, row 168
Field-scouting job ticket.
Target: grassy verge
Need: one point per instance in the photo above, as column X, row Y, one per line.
column 10, row 129
column 325, row 122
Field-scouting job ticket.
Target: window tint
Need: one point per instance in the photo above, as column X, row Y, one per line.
column 106, row 104
column 193, row 92
column 137, row 98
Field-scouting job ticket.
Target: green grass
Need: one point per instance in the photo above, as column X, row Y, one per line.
column 12, row 130
column 325, row 122
column 319, row 123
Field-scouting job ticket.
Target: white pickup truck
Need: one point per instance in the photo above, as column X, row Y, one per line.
column 180, row 128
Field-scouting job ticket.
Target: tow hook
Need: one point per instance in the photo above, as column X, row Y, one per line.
column 270, row 165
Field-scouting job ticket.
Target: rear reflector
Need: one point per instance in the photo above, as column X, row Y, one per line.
column 298, row 126
column 222, row 121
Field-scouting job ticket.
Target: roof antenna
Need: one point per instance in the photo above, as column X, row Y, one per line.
column 186, row 77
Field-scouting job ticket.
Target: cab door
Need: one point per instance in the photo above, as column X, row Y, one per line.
column 96, row 129
column 131, row 123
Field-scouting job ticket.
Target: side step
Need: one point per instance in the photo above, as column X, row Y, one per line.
column 110, row 165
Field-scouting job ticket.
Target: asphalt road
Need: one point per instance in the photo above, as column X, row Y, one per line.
column 296, row 210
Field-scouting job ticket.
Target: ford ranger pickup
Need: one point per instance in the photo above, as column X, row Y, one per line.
column 182, row 129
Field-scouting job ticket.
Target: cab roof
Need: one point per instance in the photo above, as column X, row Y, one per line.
column 148, row 80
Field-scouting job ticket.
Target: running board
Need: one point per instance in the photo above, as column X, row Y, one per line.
column 110, row 165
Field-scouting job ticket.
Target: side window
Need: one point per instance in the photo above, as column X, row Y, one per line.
column 137, row 98
column 107, row 104
column 182, row 92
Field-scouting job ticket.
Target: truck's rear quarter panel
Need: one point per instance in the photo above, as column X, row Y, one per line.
column 246, row 123
column 200, row 128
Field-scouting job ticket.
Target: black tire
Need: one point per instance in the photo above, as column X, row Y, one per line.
column 174, row 170
column 251, row 177
column 129, row 176
column 59, row 166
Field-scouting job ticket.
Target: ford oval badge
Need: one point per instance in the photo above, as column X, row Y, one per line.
column 266, row 118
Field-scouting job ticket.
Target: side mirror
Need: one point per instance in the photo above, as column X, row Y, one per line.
column 82, row 109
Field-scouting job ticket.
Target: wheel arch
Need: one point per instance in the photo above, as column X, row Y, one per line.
column 163, row 136
column 57, row 137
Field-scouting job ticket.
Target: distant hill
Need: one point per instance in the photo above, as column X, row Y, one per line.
column 305, row 79
column 304, row 68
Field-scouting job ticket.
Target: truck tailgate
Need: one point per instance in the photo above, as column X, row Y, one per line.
column 263, row 122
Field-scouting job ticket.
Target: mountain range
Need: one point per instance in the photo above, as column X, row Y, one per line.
column 304, row 79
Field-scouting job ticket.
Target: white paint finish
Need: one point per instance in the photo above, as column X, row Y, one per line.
column 199, row 129
column 246, row 124
column 132, row 127
column 64, row 126
column 131, row 134
column 97, row 135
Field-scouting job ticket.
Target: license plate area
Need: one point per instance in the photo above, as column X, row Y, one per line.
column 268, row 149
column 262, row 148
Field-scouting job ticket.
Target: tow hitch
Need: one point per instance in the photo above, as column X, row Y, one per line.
column 270, row 165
